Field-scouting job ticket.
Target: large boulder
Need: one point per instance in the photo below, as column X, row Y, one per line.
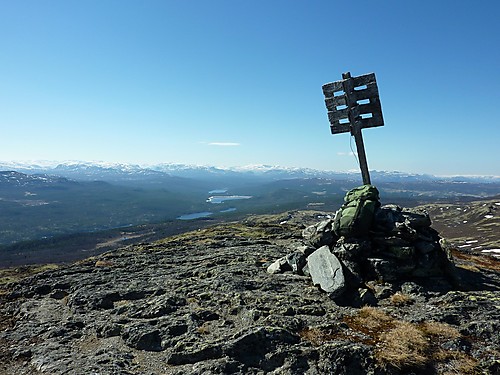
column 326, row 271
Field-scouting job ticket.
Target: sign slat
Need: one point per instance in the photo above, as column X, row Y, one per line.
column 335, row 116
column 333, row 102
column 365, row 79
column 372, row 122
column 341, row 128
column 370, row 91
column 330, row 88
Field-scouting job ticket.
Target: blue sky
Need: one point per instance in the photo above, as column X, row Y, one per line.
column 231, row 83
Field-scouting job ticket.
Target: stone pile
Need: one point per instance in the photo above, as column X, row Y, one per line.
column 401, row 246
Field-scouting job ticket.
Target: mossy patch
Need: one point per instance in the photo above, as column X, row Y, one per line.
column 13, row 274
column 216, row 234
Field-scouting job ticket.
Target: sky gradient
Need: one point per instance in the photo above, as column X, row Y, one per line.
column 231, row 83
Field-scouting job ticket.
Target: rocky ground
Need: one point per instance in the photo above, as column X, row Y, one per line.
column 203, row 303
column 473, row 226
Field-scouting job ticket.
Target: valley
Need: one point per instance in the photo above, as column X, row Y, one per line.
column 86, row 210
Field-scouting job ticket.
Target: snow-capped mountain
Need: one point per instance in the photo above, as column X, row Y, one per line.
column 15, row 179
column 123, row 172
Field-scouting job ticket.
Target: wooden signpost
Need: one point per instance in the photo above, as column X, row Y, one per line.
column 353, row 104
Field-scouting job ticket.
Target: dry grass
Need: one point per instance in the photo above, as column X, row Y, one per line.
column 371, row 319
column 313, row 335
column 439, row 329
column 319, row 335
column 203, row 329
column 401, row 299
column 9, row 275
column 104, row 263
column 406, row 346
column 475, row 262
column 456, row 363
column 213, row 234
column 403, row 346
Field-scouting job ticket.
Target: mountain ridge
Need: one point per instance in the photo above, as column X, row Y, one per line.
column 179, row 169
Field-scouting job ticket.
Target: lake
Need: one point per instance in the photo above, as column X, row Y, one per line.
column 195, row 215
column 216, row 199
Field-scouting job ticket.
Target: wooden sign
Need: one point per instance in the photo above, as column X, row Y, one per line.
column 353, row 104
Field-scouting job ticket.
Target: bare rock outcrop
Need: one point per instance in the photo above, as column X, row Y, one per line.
column 203, row 303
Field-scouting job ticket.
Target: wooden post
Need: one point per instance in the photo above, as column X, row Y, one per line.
column 363, row 164
column 353, row 104
column 355, row 126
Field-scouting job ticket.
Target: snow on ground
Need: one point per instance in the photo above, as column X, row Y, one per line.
column 494, row 252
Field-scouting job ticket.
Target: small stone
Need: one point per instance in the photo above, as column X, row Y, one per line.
column 425, row 247
column 400, row 252
column 411, row 288
column 319, row 234
column 382, row 269
column 143, row 337
column 58, row 294
column 417, row 218
column 367, row 297
column 281, row 265
column 297, row 261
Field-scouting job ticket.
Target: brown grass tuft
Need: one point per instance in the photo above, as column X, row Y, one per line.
column 456, row 363
column 372, row 318
column 439, row 329
column 317, row 335
column 103, row 263
column 203, row 329
column 403, row 346
column 401, row 299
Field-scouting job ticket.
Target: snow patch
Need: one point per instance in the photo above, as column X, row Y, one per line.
column 494, row 252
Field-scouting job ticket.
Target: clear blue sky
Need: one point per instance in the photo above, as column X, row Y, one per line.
column 230, row 83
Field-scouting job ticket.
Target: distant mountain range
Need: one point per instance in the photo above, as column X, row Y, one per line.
column 113, row 172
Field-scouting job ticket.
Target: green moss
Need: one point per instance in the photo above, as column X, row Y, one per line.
column 14, row 274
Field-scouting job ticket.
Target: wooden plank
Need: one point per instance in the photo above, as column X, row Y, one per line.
column 372, row 122
column 369, row 108
column 364, row 79
column 340, row 128
column 335, row 116
column 370, row 92
column 333, row 102
column 330, row 88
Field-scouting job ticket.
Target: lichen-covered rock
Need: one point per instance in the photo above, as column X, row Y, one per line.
column 320, row 234
column 326, row 271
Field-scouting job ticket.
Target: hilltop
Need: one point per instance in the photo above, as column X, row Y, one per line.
column 202, row 303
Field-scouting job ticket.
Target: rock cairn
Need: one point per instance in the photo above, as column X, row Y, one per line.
column 400, row 246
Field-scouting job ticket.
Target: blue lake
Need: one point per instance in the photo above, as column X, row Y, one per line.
column 218, row 191
column 216, row 199
column 196, row 215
